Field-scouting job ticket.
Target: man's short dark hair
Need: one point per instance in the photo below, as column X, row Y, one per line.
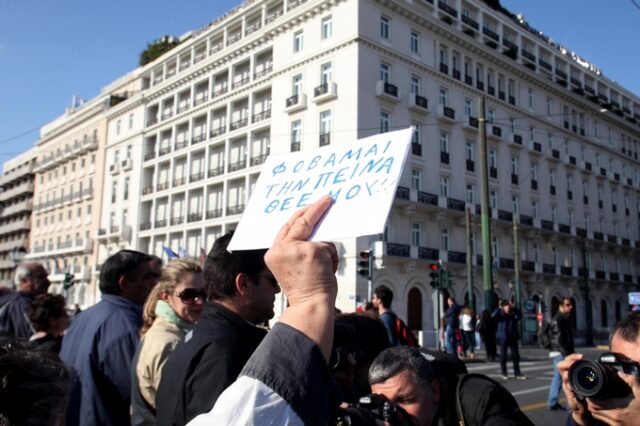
column 628, row 328
column 44, row 307
column 123, row 263
column 385, row 295
column 395, row 360
column 221, row 267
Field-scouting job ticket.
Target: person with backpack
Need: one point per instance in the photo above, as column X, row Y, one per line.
column 561, row 339
column 434, row 388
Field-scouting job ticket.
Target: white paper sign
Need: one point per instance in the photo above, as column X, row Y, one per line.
column 361, row 177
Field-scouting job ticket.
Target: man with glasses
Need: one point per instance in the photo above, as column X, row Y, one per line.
column 561, row 346
column 241, row 292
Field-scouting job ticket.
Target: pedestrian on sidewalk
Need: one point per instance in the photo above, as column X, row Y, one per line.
column 487, row 329
column 452, row 321
column 561, row 347
column 506, row 317
column 468, row 332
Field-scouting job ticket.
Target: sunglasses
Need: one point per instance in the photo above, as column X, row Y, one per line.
column 189, row 296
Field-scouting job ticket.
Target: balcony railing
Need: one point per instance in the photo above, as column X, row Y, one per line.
column 237, row 209
column 325, row 139
column 427, row 253
column 216, row 171
column 238, row 165
column 255, row 161
column 427, row 198
column 215, row 213
column 402, row 250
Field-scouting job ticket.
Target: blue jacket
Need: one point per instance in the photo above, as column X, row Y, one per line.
column 13, row 316
column 99, row 346
column 507, row 325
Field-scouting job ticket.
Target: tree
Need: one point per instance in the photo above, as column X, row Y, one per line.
column 157, row 48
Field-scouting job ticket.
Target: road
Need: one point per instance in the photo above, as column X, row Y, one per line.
column 531, row 394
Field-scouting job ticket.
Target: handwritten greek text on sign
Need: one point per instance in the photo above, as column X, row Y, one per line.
column 361, row 177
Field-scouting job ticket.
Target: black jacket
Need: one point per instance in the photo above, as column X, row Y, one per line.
column 14, row 322
column 205, row 364
column 562, row 335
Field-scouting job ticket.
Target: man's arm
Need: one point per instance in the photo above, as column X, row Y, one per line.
column 579, row 412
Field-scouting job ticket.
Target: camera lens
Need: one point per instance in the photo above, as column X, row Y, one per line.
column 587, row 378
column 596, row 380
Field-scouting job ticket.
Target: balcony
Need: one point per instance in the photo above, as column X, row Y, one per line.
column 238, row 124
column 528, row 59
column 493, row 172
column 164, row 150
column 418, row 103
column 510, row 49
column 295, row 103
column 496, row 132
column 416, row 149
column 527, row 266
column 506, row 263
column 505, row 215
column 427, row 198
column 264, row 115
column 526, row 220
column 444, row 157
column 547, row 225
column 215, row 171
column 218, row 131
column 446, row 114
column 147, row 190
column 400, row 250
column 446, row 12
column 601, row 275
column 150, row 155
column 548, row 268
column 471, row 123
column 196, row 176
column 491, row 38
column 324, row 139
column 535, row 147
column 516, row 140
column 162, row 186
column 567, row 271
column 213, row 214
column 426, row 253
column 555, row 155
column 238, row 165
column 454, row 204
column 456, row 256
column 233, row 210
column 177, row 220
column 387, row 91
column 179, row 181
column 194, row 217
column 403, row 193
column 259, row 159
column 325, row 92
column 470, row 25
column 570, row 161
column 197, row 139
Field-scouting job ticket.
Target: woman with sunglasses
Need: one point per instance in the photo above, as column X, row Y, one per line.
column 171, row 309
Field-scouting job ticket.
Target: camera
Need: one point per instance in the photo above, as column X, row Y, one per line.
column 370, row 410
column 599, row 380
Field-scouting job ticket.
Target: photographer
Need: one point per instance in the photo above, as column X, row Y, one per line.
column 625, row 340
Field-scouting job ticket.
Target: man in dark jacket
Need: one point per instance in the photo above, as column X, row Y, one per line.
column 561, row 346
column 241, row 292
column 101, row 341
column 506, row 318
column 382, row 298
column 452, row 325
column 31, row 281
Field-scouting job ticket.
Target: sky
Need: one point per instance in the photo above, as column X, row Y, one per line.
column 53, row 50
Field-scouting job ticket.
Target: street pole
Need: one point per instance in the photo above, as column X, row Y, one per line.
column 487, row 279
column 471, row 297
column 516, row 269
column 588, row 338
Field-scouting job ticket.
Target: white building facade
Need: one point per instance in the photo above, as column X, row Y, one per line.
column 280, row 76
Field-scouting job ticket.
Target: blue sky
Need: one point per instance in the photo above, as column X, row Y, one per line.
column 52, row 50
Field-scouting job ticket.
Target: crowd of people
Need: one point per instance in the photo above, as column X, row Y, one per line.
column 185, row 343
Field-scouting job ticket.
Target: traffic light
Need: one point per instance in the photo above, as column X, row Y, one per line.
column 365, row 265
column 447, row 279
column 68, row 280
column 435, row 275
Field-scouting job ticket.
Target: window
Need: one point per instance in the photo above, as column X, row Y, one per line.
column 444, row 239
column 416, row 133
column 384, row 27
column 549, row 107
column 114, row 192
column 296, row 131
column 534, row 171
column 325, row 73
column 530, row 98
column 385, row 72
column 493, row 158
column 491, row 115
column 415, row 42
column 444, row 186
column 130, row 121
column 469, row 150
column 536, row 252
column 514, row 165
column 495, row 245
column 118, row 125
column 326, row 27
column 325, row 122
column 385, row 121
column 416, row 234
column 444, row 142
column 297, row 84
column 471, row 193
column 416, row 85
column 298, row 40
column 493, row 199
column 416, row 179
column 443, row 97
column 515, row 202
column 468, row 108
column 126, row 188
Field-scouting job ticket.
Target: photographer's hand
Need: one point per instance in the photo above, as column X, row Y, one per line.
column 579, row 410
column 619, row 411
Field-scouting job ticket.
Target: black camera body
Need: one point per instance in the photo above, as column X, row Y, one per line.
column 600, row 380
column 371, row 410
